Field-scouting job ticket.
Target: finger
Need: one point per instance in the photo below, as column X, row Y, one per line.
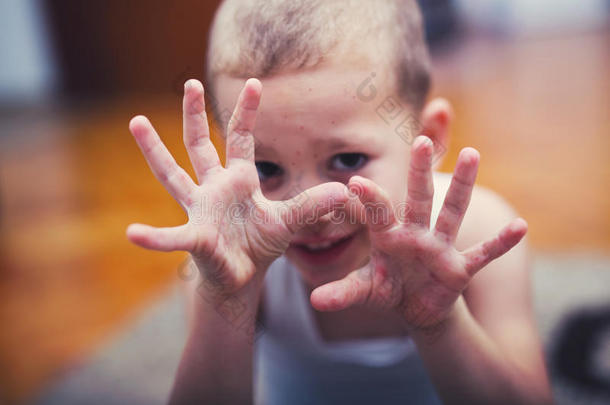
column 354, row 289
column 458, row 196
column 479, row 256
column 307, row 207
column 352, row 212
column 202, row 152
column 240, row 139
column 420, row 186
column 177, row 182
column 378, row 211
column 163, row 239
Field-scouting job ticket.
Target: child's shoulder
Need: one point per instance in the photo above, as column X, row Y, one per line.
column 487, row 213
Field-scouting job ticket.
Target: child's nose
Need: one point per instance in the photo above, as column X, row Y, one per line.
column 303, row 182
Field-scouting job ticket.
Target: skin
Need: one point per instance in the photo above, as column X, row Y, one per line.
column 475, row 334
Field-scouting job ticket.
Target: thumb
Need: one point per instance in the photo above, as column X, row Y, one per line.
column 310, row 205
column 353, row 289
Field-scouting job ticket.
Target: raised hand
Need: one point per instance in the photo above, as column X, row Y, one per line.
column 414, row 269
column 233, row 232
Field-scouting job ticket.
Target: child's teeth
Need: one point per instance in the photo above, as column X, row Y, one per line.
column 318, row 246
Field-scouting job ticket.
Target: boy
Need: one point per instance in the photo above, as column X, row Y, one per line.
column 374, row 295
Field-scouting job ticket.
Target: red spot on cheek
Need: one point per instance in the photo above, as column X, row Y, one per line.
column 332, row 122
column 298, row 153
column 301, row 127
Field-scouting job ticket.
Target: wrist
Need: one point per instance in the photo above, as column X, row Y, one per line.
column 233, row 313
column 215, row 286
column 214, row 293
column 433, row 333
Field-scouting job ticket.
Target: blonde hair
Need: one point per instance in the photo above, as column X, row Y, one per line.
column 260, row 38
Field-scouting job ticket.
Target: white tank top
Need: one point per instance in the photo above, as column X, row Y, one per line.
column 294, row 365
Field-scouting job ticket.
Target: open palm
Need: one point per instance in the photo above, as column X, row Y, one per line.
column 233, row 232
column 413, row 268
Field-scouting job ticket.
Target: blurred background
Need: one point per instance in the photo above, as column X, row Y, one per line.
column 87, row 318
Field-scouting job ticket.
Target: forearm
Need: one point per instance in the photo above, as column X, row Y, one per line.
column 466, row 365
column 216, row 365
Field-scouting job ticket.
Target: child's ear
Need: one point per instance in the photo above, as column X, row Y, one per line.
column 435, row 120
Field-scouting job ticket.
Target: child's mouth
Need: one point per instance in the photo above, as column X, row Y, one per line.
column 323, row 251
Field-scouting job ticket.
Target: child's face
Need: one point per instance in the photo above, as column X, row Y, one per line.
column 315, row 127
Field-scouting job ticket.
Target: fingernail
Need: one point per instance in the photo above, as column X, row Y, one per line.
column 355, row 189
column 425, row 141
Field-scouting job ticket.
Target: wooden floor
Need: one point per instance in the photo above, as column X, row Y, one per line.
column 71, row 181
column 539, row 113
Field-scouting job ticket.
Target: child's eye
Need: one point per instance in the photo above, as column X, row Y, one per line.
column 347, row 161
column 267, row 170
